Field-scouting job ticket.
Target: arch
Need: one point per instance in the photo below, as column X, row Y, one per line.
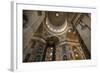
column 40, row 39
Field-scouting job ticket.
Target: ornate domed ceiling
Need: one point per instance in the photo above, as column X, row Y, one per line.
column 56, row 22
column 52, row 36
column 57, row 18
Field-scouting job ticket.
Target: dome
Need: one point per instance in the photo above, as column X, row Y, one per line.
column 57, row 18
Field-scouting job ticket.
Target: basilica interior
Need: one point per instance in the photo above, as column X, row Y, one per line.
column 56, row 36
